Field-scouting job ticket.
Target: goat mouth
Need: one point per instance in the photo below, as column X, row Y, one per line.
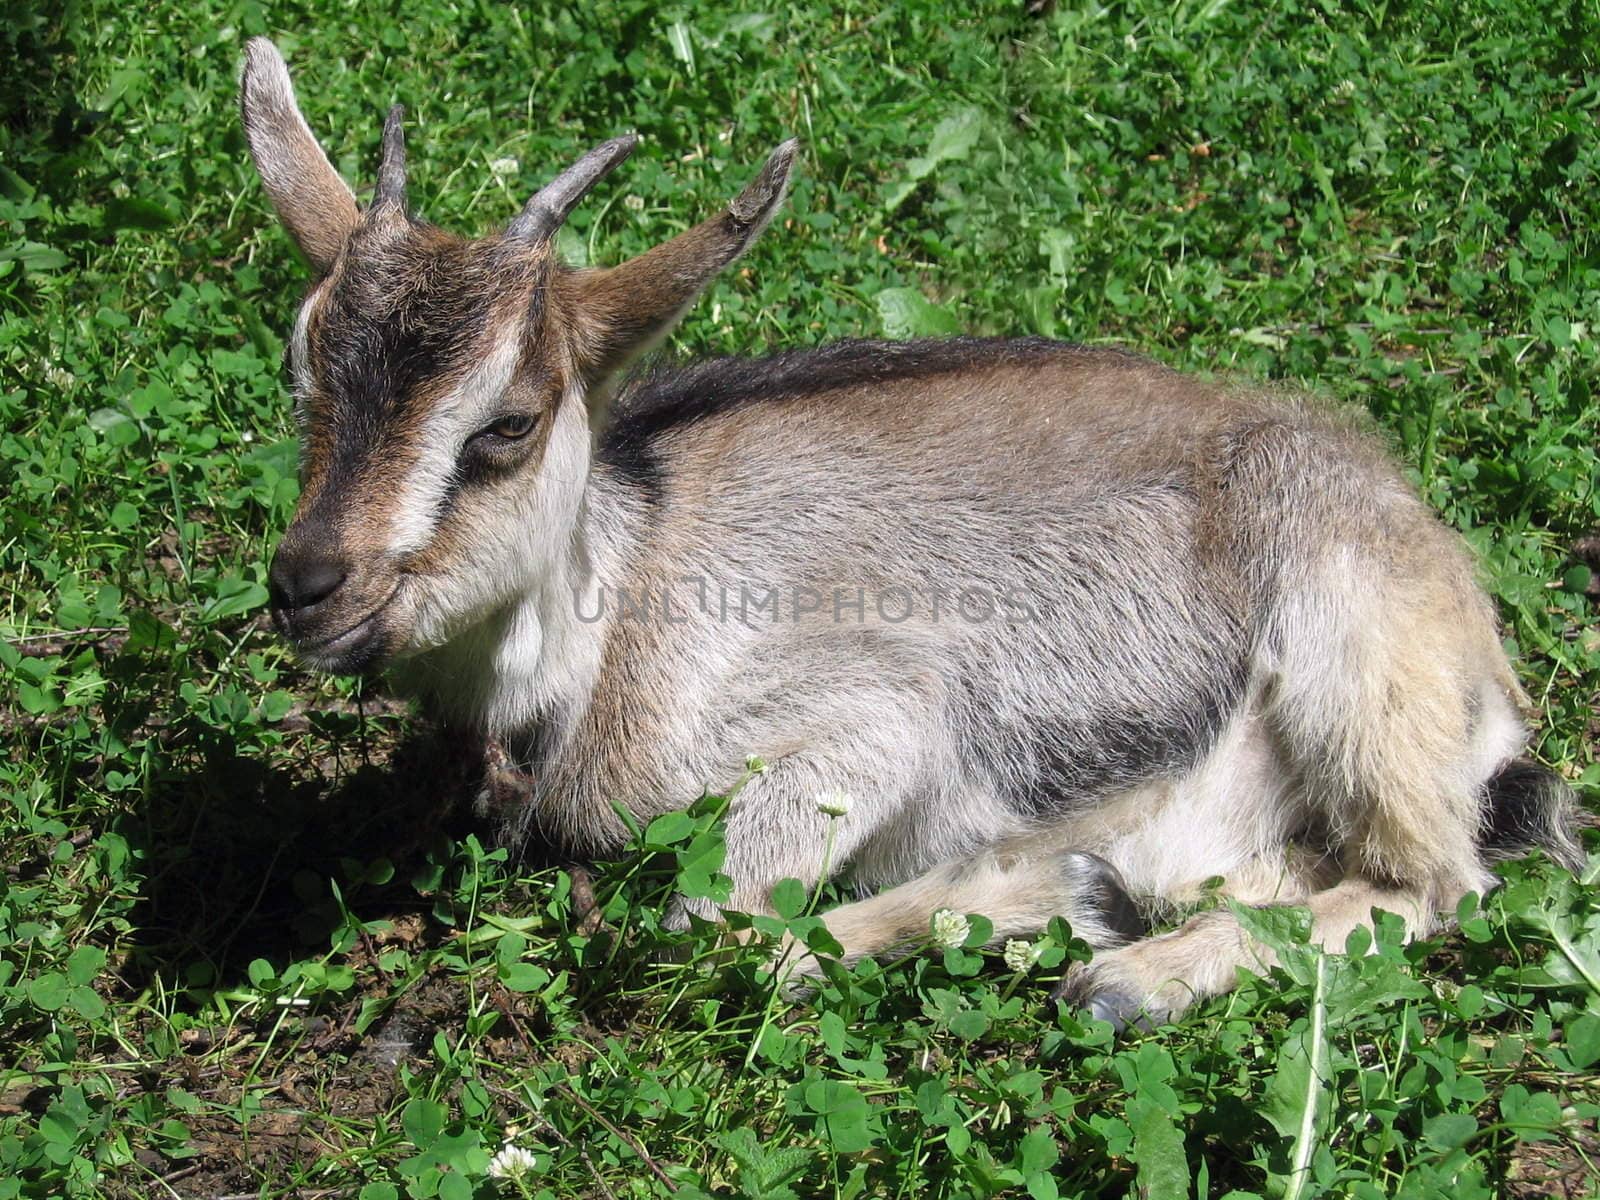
column 353, row 648
column 339, row 640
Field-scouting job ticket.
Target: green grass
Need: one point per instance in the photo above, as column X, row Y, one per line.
column 249, row 942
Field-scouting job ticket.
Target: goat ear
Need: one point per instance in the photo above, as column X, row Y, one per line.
column 622, row 311
column 314, row 204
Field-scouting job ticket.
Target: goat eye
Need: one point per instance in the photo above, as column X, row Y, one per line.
column 511, row 426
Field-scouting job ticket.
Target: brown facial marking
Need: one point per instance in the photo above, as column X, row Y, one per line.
column 405, row 321
column 535, row 389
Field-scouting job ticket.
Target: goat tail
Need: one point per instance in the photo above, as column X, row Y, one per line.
column 1529, row 807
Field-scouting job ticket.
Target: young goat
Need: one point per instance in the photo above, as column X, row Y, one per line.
column 1068, row 626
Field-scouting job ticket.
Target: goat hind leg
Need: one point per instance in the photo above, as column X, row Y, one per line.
column 1155, row 979
column 1389, row 706
column 1018, row 889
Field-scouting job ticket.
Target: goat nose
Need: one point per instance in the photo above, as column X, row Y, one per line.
column 300, row 580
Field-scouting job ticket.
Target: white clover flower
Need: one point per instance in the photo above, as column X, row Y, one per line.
column 633, row 203
column 834, row 804
column 1021, row 956
column 950, row 929
column 512, row 1162
column 502, row 168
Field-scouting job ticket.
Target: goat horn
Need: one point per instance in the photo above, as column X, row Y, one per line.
column 543, row 215
column 392, row 171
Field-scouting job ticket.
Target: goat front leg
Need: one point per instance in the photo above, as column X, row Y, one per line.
column 778, row 828
column 507, row 786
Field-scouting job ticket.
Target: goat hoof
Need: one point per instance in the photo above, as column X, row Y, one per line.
column 1122, row 1009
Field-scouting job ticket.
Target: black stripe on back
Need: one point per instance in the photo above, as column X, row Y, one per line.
column 665, row 397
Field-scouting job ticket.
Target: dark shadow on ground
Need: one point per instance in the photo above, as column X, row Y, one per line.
column 239, row 851
column 43, row 119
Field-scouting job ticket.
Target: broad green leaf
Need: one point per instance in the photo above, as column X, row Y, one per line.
column 12, row 185
column 85, row 964
column 979, row 930
column 789, row 898
column 35, row 256
column 235, row 597
column 60, row 1124
column 907, row 313
column 524, row 976
column 1583, row 1040
column 1533, row 1116
column 423, row 1121
column 140, row 212
column 1449, row 1130
column 969, row 1024
column 953, row 139
column 1037, row 1152
column 765, row 1171
column 87, row 1003
column 842, row 1114
column 1158, row 1153
column 48, row 991
column 670, row 828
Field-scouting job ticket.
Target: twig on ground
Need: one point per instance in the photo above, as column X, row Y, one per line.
column 626, row 1138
